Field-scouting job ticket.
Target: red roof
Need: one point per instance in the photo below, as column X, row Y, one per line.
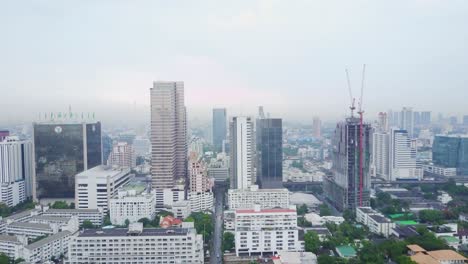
column 169, row 221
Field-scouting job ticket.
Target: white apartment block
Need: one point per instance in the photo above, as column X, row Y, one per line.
column 132, row 206
column 199, row 181
column 376, row 222
column 137, row 245
column 266, row 198
column 95, row 187
column 95, row 216
column 122, row 155
column 380, row 154
column 30, row 230
column 58, row 222
column 201, row 201
column 181, row 209
column 16, row 165
column 242, row 149
column 12, row 246
column 447, row 172
column 165, row 198
column 259, row 231
column 218, row 172
column 407, row 120
column 46, row 248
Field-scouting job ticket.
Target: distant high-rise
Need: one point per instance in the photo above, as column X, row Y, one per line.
column 347, row 188
column 61, row 152
column 407, row 120
column 403, row 163
column 380, row 154
column 317, row 127
column 241, row 154
column 416, row 118
column 168, row 134
column 382, row 121
column 453, row 120
column 425, row 118
column 122, row 155
column 16, row 170
column 451, row 152
column 269, row 153
column 465, row 120
column 219, row 128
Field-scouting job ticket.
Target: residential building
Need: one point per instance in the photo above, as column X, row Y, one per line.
column 425, row 118
column 201, row 201
column 287, row 257
column 381, row 154
column 382, row 122
column 265, row 198
column 402, row 155
column 242, row 149
column 266, row 231
column 168, row 134
column 132, row 206
column 219, row 128
column 449, row 151
column 94, row 187
column 375, row 221
column 349, row 185
column 165, row 198
column 218, row 171
column 16, row 170
column 317, row 127
column 47, row 248
column 61, row 152
column 269, row 153
column 181, row 209
column 12, row 246
column 95, row 216
column 57, row 222
column 317, row 220
column 137, row 244
column 122, row 155
column 407, row 120
column 30, row 230
column 445, row 256
column 442, row 171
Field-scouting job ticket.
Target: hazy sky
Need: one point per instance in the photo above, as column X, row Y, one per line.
column 102, row 56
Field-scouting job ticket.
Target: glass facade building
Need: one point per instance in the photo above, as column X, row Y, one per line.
column 62, row 151
column 270, row 153
column 219, row 128
column 451, row 152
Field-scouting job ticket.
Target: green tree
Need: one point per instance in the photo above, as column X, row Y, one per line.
column 326, row 259
column 72, row 205
column 165, row 213
column 324, row 210
column 370, row 253
column 4, row 259
column 427, row 240
column 302, row 210
column 127, row 222
column 146, row 222
column 302, row 222
column 19, row 260
column 404, row 260
column 87, row 224
column 228, row 241
column 203, row 223
column 107, row 220
column 59, row 205
column 312, row 242
column 431, row 216
column 349, row 215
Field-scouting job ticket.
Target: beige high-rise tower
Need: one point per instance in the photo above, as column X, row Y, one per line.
column 168, row 134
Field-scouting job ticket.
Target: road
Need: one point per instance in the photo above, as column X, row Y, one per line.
column 218, row 228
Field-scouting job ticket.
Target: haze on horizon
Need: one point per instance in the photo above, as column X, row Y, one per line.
column 289, row 56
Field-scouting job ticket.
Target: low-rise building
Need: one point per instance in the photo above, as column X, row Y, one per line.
column 445, row 256
column 318, row 220
column 95, row 216
column 47, row 248
column 94, row 187
column 376, row 222
column 266, row 198
column 346, row 251
column 201, row 201
column 58, row 223
column 287, row 257
column 12, row 246
column 181, row 209
column 137, row 245
column 322, row 232
column 30, row 230
column 260, row 231
column 128, row 205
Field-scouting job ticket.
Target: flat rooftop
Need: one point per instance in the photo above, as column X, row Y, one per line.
column 123, row 232
column 103, row 171
column 380, row 219
column 367, row 210
column 72, row 211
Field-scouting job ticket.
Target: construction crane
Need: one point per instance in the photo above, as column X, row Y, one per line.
column 351, row 98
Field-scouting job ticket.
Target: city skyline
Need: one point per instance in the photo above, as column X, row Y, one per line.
column 241, row 55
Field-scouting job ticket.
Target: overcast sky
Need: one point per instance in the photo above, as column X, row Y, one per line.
column 102, row 56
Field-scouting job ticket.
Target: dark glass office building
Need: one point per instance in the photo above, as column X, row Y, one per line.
column 219, row 128
column 62, row 151
column 269, row 153
column 451, row 152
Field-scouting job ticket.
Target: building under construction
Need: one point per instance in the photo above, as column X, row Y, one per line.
column 349, row 185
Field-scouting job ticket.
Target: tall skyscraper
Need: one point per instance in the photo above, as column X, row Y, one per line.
column 62, row 151
column 349, row 187
column 219, row 128
column 241, row 154
column 317, row 127
column 425, row 118
column 380, row 154
column 416, row 118
column 403, row 163
column 407, row 120
column 16, row 170
column 269, row 153
column 451, row 152
column 168, row 134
